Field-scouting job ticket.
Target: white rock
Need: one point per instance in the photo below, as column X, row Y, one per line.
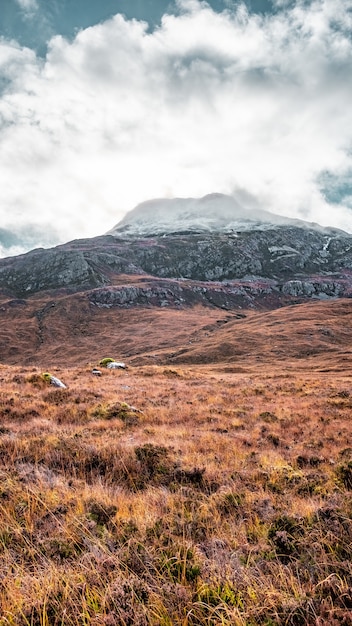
column 114, row 365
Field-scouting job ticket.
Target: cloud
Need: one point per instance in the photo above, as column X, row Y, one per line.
column 29, row 7
column 21, row 238
column 207, row 102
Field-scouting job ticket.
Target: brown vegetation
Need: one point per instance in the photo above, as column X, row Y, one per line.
column 176, row 495
column 68, row 330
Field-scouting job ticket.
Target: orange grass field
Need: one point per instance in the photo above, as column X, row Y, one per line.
column 175, row 495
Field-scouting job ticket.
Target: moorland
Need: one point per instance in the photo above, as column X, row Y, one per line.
column 209, row 483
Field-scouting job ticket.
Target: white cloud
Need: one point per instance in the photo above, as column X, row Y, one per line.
column 27, row 5
column 207, row 102
column 29, row 8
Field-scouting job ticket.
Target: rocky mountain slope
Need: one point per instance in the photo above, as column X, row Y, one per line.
column 282, row 261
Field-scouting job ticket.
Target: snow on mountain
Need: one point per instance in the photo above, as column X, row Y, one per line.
column 213, row 213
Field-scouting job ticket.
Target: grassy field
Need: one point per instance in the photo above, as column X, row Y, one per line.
column 184, row 496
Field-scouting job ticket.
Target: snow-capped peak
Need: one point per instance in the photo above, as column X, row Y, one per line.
column 212, row 213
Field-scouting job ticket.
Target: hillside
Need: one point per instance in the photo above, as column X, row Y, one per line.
column 290, row 262
column 71, row 330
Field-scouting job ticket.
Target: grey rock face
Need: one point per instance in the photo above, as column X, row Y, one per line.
column 228, row 295
column 318, row 289
column 47, row 269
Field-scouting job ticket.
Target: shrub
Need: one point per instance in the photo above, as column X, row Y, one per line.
column 104, row 362
column 344, row 473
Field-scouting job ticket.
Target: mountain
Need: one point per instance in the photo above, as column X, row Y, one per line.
column 270, row 260
column 161, row 276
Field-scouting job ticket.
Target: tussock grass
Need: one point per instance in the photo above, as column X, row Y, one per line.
column 185, row 497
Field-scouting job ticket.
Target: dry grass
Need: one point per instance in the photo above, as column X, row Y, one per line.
column 224, row 499
column 68, row 330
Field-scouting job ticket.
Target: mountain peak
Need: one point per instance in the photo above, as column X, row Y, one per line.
column 214, row 212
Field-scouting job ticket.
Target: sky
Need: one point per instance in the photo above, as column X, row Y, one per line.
column 104, row 105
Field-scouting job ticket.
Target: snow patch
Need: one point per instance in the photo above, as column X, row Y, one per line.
column 212, row 213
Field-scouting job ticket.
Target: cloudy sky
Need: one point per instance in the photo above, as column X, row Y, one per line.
column 106, row 104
